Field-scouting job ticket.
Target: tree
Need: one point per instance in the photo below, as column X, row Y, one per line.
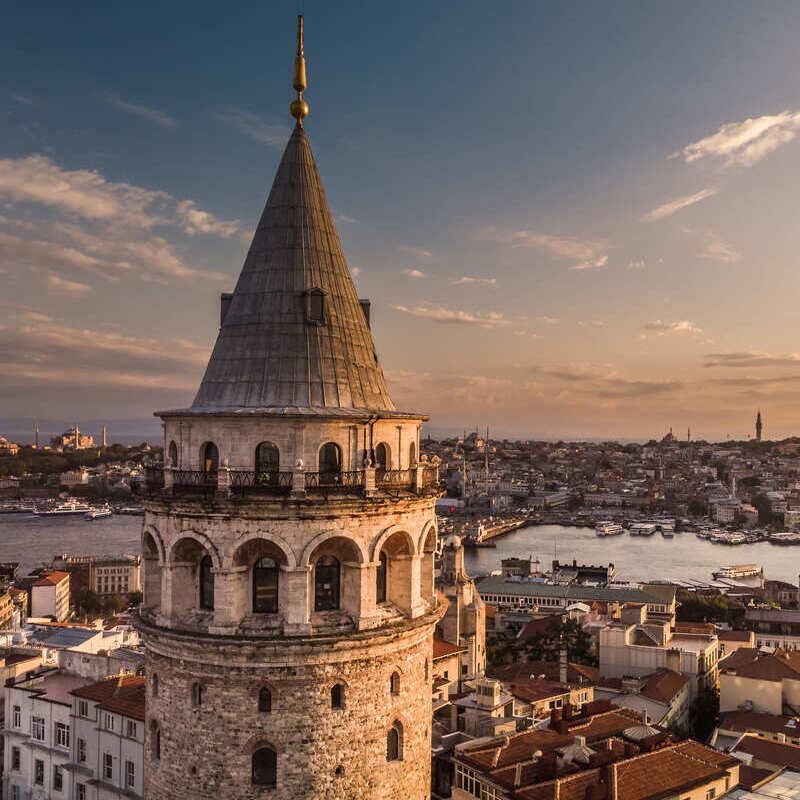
column 761, row 503
column 704, row 713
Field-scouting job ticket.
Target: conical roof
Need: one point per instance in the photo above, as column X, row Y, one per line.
column 273, row 353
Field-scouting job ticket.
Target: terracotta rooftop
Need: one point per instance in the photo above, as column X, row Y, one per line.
column 576, row 673
column 663, row 686
column 779, row 754
column 122, row 695
column 734, row 636
column 747, row 662
column 443, row 648
column 531, row 691
column 50, row 578
column 744, row 721
column 504, row 751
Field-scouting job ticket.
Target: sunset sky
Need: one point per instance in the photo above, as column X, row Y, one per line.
column 572, row 219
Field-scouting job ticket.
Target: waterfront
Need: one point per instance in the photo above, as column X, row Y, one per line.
column 682, row 558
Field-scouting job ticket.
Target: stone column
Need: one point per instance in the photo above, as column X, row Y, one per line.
column 370, row 488
column 169, row 479
column 228, row 605
column 298, row 480
column 294, row 599
column 354, row 587
column 418, row 474
column 224, row 479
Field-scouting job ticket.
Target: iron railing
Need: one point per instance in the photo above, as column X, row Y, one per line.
column 394, row 477
column 194, row 479
column 154, row 477
column 247, row 481
column 335, row 481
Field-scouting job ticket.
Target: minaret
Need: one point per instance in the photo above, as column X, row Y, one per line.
column 36, row 436
column 758, row 426
column 289, row 603
column 77, row 437
column 104, row 442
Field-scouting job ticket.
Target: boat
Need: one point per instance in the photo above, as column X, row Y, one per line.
column 133, row 511
column 63, row 509
column 609, row 529
column 99, row 513
column 737, row 571
column 643, row 529
column 787, row 537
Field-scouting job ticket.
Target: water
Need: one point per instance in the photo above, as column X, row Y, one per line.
column 34, row 541
column 682, row 558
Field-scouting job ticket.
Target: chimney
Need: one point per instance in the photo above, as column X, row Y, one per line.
column 365, row 307
column 644, row 716
column 224, row 304
column 568, row 710
column 555, row 718
column 611, row 780
column 563, row 665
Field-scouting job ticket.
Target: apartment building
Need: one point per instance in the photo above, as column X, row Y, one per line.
column 50, row 595
column 116, row 574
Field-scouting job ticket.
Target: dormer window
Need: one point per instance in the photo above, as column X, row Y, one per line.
column 315, row 306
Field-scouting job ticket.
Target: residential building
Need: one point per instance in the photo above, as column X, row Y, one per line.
column 776, row 727
column 663, row 696
column 116, row 574
column 764, row 682
column 50, row 595
column 774, row 627
column 7, row 608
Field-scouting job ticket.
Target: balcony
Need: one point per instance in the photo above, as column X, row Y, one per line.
column 230, row 482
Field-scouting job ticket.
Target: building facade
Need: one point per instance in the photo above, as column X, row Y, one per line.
column 50, row 595
column 288, row 546
column 116, row 574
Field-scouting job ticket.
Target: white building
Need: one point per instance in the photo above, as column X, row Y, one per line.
column 66, row 737
column 50, row 596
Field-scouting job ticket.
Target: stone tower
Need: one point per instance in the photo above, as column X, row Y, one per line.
column 288, row 544
column 758, row 426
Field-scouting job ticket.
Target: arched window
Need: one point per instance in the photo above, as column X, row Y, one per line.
column 337, row 695
column 197, row 695
column 267, row 462
column 394, row 742
column 209, row 457
column 173, row 454
column 265, row 767
column 394, row 683
column 326, row 584
column 412, row 455
column 265, row 700
column 330, row 458
column 206, row 583
column 380, row 579
column 381, row 456
column 265, row 586
column 154, row 685
column 155, row 741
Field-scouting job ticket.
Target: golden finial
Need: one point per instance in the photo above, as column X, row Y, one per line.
column 299, row 108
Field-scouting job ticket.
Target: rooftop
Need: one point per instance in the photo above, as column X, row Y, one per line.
column 122, row 695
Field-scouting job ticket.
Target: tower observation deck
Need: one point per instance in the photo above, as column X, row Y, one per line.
column 288, row 542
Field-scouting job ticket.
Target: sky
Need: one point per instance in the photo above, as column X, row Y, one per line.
column 572, row 219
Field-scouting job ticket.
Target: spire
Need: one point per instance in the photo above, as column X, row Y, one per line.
column 294, row 334
column 299, row 108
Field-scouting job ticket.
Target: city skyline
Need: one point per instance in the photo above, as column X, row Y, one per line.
column 570, row 222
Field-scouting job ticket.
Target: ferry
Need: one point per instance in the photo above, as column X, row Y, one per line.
column 643, row 529
column 99, row 513
column 133, row 511
column 63, row 509
column 609, row 529
column 737, row 571
column 787, row 537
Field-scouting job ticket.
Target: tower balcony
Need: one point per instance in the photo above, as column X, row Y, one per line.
column 233, row 482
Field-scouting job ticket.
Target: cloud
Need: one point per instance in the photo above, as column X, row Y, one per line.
column 414, row 273
column 464, row 279
column 594, row 323
column 548, row 320
column 255, row 127
column 164, row 120
column 489, row 319
column 604, row 382
column 683, row 326
column 195, row 221
column 669, row 208
column 745, row 143
column 355, row 271
column 751, row 359
column 16, row 251
column 637, row 263
column 342, row 218
column 588, row 253
column 415, row 252
column 718, row 250
column 65, row 288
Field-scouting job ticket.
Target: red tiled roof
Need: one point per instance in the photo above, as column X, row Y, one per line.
column 752, row 777
column 779, row 754
column 123, row 695
column 530, row 691
column 744, row 721
column 576, row 673
column 664, row 686
column 604, row 724
column 749, row 663
column 521, row 747
column 734, row 636
column 50, row 578
column 539, row 625
column 442, row 648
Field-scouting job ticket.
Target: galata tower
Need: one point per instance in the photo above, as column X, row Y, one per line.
column 288, row 544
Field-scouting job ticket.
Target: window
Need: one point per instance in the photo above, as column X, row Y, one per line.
column 130, row 774
column 381, row 456
column 264, row 767
column 131, row 729
column 197, row 695
column 155, row 741
column 315, row 308
column 37, row 728
column 265, row 586
column 209, row 457
column 58, row 779
column 330, row 458
column 326, row 584
column 83, row 708
column 16, row 717
column 15, row 758
column 380, row 579
column 265, row 701
column 154, row 685
column 38, row 772
column 81, row 787
column 394, row 742
column 394, row 683
column 173, row 454
column 15, row 793
column 206, row 583
column 710, row 794
column 62, row 735
column 82, row 751
column 108, row 722
column 337, row 695
column 267, row 462
column 412, row 455
column 108, row 767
